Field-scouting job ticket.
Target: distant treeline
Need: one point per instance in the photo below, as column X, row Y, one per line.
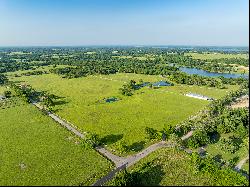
column 148, row 68
column 3, row 79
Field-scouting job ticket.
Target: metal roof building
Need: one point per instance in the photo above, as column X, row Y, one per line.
column 198, row 96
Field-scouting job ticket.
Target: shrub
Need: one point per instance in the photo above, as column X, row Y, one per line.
column 152, row 133
column 7, row 94
column 92, row 139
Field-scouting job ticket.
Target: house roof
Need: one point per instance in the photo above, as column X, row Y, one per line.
column 198, row 95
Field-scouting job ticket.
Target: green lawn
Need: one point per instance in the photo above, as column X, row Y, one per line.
column 210, row 56
column 35, row 150
column 127, row 118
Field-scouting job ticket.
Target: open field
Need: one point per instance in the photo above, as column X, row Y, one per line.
column 82, row 104
column 210, row 56
column 170, row 167
column 37, row 68
column 37, row 151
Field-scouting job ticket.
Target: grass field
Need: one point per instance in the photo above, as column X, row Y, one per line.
column 127, row 118
column 170, row 167
column 35, row 150
column 210, row 56
column 40, row 68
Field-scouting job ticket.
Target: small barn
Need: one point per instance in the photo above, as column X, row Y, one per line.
column 198, row 96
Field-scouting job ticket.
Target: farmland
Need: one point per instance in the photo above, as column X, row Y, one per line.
column 111, row 97
column 125, row 120
column 37, row 151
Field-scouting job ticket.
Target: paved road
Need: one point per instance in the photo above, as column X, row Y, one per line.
column 189, row 134
column 241, row 163
column 120, row 162
column 116, row 159
column 129, row 161
column 62, row 122
column 135, row 158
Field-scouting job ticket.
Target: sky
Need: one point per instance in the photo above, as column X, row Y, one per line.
column 124, row 22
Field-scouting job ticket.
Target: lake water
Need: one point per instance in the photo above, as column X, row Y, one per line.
column 211, row 74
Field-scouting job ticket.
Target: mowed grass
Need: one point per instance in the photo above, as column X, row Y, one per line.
column 210, row 56
column 35, row 150
column 127, row 118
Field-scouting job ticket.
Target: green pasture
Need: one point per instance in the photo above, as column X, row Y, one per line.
column 35, row 150
column 82, row 103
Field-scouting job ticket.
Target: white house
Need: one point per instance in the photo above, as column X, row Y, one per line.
column 198, row 96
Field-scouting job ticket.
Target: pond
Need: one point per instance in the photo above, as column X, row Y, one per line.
column 112, row 99
column 161, row 83
column 211, row 74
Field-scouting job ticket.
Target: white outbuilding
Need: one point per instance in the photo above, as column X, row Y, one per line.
column 198, row 96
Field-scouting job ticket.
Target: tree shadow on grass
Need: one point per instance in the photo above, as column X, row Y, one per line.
column 214, row 137
column 218, row 158
column 148, row 175
column 111, row 138
column 137, row 146
column 61, row 102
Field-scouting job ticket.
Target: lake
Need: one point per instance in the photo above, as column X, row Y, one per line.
column 211, row 74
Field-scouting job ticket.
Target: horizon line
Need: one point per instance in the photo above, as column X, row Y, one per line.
column 133, row 45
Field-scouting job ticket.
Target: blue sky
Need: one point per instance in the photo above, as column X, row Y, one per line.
column 124, row 22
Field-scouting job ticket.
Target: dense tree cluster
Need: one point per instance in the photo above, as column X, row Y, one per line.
column 29, row 94
column 129, row 88
column 25, row 91
column 34, row 73
column 3, row 79
column 109, row 60
column 218, row 119
column 149, row 173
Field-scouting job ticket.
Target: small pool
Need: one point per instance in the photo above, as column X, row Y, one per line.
column 161, row 83
column 111, row 100
column 144, row 84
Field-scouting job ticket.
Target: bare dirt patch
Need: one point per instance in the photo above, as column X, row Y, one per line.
column 243, row 102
